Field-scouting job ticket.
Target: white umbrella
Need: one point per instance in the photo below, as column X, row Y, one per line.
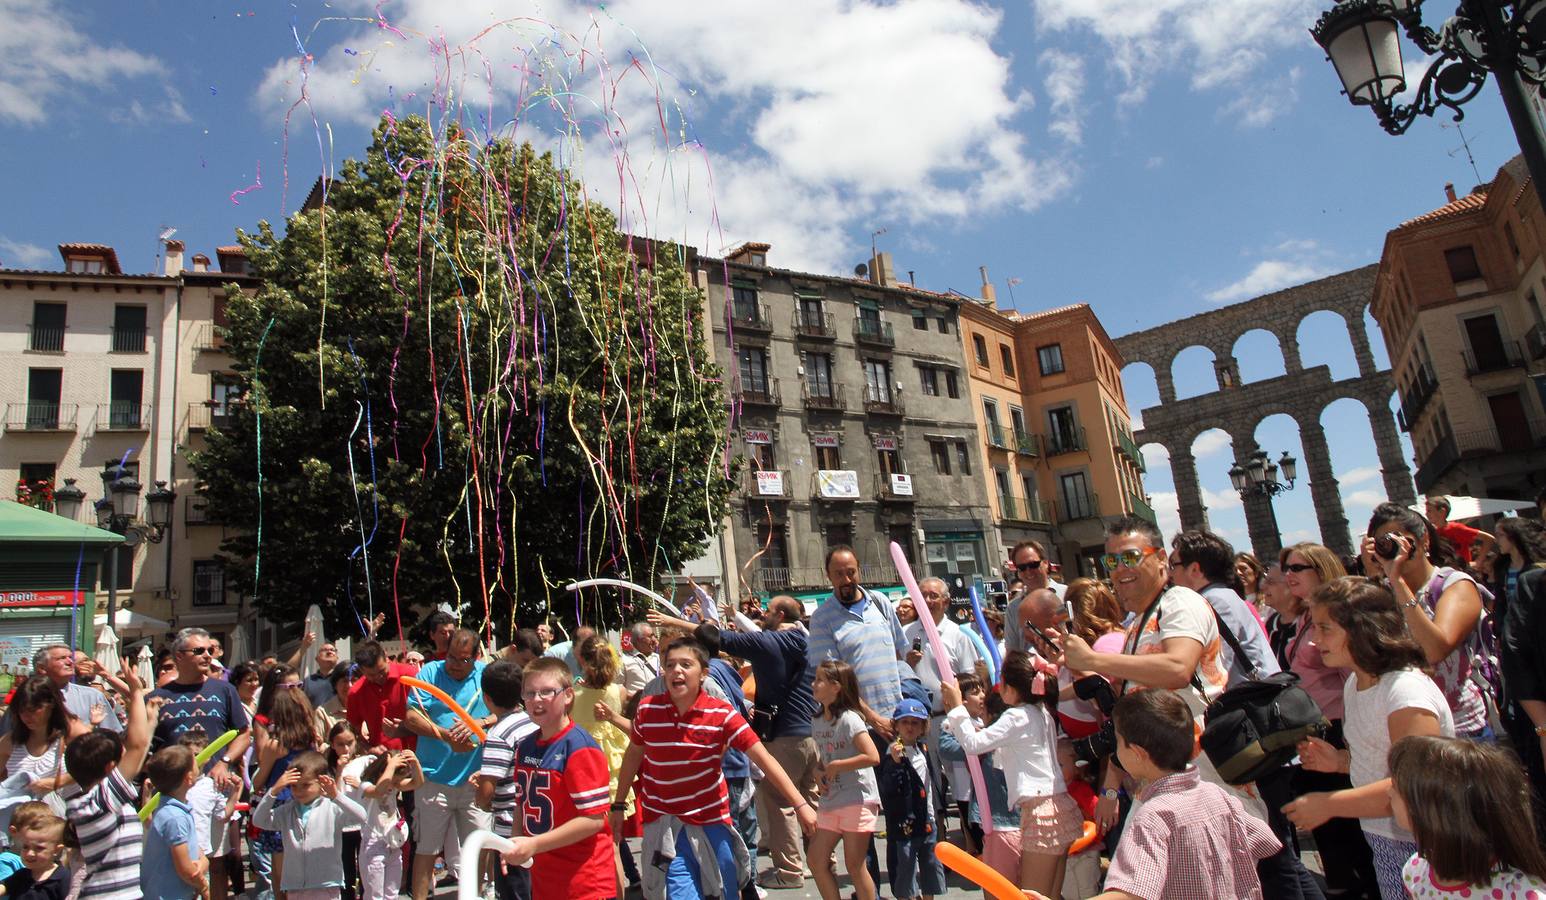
column 345, row 650
column 1461, row 508
column 145, row 666
column 239, row 651
column 314, row 626
column 127, row 621
column 107, row 650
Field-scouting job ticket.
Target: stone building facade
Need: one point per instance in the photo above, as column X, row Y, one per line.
column 1300, row 392
column 1461, row 299
column 855, row 420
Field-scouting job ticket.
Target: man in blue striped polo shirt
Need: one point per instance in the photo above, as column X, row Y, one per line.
column 859, row 627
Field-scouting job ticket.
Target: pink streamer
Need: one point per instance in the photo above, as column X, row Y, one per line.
column 942, row 662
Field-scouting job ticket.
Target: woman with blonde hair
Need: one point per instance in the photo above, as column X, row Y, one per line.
column 1097, row 618
column 599, row 668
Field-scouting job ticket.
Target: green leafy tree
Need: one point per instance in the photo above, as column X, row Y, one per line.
column 462, row 384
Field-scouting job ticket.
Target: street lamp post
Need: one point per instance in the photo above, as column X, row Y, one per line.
column 1259, row 478
column 118, row 511
column 1504, row 37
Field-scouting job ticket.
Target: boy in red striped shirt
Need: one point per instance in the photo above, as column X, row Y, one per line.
column 679, row 741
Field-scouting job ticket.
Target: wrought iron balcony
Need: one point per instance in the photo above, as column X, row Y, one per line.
column 750, row 317
column 763, row 393
column 1535, row 342
column 814, row 326
column 1424, row 386
column 122, row 416
column 1507, row 357
column 869, row 331
column 46, row 340
column 202, row 416
column 128, row 340
column 198, row 512
column 887, row 489
column 996, row 436
column 208, row 339
column 1141, row 508
column 1065, row 441
column 1129, row 448
column 772, row 485
column 1081, row 507
column 882, row 400
column 1443, row 457
column 822, row 395
column 40, row 416
column 1033, row 510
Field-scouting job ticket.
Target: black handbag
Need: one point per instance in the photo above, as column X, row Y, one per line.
column 1255, row 727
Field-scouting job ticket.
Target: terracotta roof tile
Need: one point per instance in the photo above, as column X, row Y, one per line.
column 103, row 250
column 232, row 250
column 1469, row 203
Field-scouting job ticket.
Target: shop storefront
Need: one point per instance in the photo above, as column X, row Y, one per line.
column 954, row 547
column 48, row 580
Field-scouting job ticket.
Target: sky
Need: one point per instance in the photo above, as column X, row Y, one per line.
column 1153, row 158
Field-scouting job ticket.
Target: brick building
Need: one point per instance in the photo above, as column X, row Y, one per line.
column 1055, row 431
column 849, row 403
column 1459, row 296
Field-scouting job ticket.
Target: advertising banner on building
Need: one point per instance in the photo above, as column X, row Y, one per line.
column 757, row 435
column 823, row 440
column 884, row 442
column 838, row 484
column 902, row 485
column 770, row 484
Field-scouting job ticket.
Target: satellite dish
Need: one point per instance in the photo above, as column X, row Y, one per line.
column 861, row 271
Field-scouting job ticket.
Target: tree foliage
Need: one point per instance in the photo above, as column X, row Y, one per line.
column 462, row 384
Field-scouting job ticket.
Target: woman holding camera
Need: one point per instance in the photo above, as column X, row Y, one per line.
column 1345, row 855
column 1439, row 601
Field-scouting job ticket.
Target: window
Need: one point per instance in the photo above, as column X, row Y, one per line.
column 39, row 480
column 1078, row 502
column 902, row 536
column 1051, row 358
column 1063, row 430
column 818, row 374
column 128, row 329
column 877, row 381
column 952, row 389
column 980, row 348
column 1017, row 420
column 941, row 455
column 920, row 321
column 990, row 413
column 869, row 319
column 43, row 386
column 930, row 377
column 128, row 387
column 964, row 457
column 761, row 457
column 1028, row 484
column 224, row 393
column 1001, row 478
column 208, row 583
column 828, row 458
column 743, row 301
column 890, row 463
column 1462, row 264
column 87, row 266
column 48, row 326
column 754, row 369
column 810, row 313
column 1007, row 356
column 944, row 325
column 774, row 564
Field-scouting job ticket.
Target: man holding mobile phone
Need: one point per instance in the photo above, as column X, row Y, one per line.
column 1029, row 559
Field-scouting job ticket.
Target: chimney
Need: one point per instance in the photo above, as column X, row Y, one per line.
column 989, row 295
column 882, row 270
column 200, row 262
column 1449, row 191
column 174, row 257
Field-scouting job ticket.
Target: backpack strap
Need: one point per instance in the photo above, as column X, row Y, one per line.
column 1233, row 642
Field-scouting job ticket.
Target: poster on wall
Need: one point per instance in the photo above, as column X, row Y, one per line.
column 936, row 553
column 757, row 436
column 770, row 484
column 902, row 485
column 838, row 484
column 884, row 442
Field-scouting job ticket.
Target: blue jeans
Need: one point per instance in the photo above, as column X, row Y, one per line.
column 914, row 868
column 684, row 878
column 262, row 869
column 743, row 811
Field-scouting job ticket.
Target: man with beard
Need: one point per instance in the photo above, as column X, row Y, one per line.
column 860, row 628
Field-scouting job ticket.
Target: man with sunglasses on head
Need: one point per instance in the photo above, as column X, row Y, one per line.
column 193, row 698
column 1028, row 559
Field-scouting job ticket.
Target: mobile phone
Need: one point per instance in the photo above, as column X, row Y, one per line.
column 918, row 644
column 1068, row 610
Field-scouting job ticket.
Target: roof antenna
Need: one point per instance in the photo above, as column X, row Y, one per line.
column 1466, row 145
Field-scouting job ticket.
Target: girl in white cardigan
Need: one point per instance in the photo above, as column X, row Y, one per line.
column 1026, row 736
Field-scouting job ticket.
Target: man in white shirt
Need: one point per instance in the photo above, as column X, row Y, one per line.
column 1029, row 560
column 639, row 665
column 962, row 657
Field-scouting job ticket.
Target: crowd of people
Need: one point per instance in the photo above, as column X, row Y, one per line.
column 704, row 744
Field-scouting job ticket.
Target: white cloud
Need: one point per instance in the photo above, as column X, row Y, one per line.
column 1065, row 88
column 1210, row 442
column 1358, row 475
column 1155, row 457
column 1220, row 44
column 45, row 57
column 1262, row 105
column 834, row 114
column 1265, row 277
column 21, row 255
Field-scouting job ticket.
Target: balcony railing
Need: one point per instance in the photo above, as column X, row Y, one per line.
column 1081, row 507
column 822, row 396
column 886, row 489
column 202, row 416
column 47, row 340
column 1027, row 444
column 1424, row 386
column 869, row 331
column 772, row 578
column 1141, row 508
column 208, row 339
column 842, row 484
column 40, row 417
column 759, row 394
column 1535, row 342
column 1508, row 357
column 1442, row 458
column 1065, row 441
column 1129, row 448
column 882, row 400
column 198, row 512
column 813, row 325
column 1025, row 509
column 128, row 340
column 122, row 416
column 772, row 485
column 996, row 437
column 751, row 317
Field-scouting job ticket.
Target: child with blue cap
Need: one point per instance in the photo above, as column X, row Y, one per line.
column 906, row 797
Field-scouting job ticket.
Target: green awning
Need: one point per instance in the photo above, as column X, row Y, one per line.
column 23, row 524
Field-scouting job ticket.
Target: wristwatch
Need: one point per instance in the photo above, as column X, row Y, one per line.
column 1110, row 794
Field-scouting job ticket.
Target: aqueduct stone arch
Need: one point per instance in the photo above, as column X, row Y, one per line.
column 1302, row 393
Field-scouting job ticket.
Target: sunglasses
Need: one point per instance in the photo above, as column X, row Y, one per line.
column 1127, row 558
column 198, row 651
column 1031, row 566
column 1299, row 567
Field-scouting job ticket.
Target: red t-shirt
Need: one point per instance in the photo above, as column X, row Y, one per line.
column 558, row 781
column 369, row 704
column 1460, row 536
column 683, row 770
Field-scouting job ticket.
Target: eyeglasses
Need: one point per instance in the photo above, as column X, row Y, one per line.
column 1127, row 558
column 543, row 694
column 1299, row 567
column 198, row 651
column 1174, row 562
column 1031, row 566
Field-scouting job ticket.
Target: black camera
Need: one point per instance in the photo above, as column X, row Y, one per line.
column 1102, row 743
column 1097, row 689
column 1387, row 547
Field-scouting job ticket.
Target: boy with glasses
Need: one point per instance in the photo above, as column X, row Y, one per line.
column 193, row 699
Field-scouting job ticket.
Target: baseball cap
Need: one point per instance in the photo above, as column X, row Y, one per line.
column 910, row 709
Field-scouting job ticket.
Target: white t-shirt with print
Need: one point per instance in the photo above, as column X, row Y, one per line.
column 1509, row 884
column 1366, row 725
column 1183, row 613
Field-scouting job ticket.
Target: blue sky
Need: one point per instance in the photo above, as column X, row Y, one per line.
column 1153, row 158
